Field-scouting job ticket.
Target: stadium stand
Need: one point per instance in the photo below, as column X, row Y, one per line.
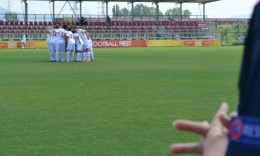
column 127, row 30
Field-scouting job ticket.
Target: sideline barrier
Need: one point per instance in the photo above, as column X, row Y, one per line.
column 18, row 44
column 118, row 43
column 183, row 43
column 122, row 43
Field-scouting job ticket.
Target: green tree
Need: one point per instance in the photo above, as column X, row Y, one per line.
column 9, row 16
column 230, row 33
column 138, row 10
column 116, row 11
column 177, row 12
column 125, row 12
column 142, row 10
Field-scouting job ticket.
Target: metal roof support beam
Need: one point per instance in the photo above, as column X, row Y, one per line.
column 76, row 10
column 80, row 8
column 53, row 11
column 181, row 12
column 157, row 11
column 132, row 10
column 62, row 8
column 203, row 12
column 106, row 8
column 26, row 11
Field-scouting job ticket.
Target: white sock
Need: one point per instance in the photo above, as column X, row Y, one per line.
column 77, row 56
column 57, row 55
column 72, row 56
column 88, row 57
column 53, row 55
column 50, row 55
column 62, row 56
column 80, row 56
column 84, row 56
column 86, row 53
column 92, row 55
column 68, row 56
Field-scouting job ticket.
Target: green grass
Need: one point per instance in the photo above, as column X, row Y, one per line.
column 123, row 104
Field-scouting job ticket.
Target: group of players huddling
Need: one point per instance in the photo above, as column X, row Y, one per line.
column 69, row 39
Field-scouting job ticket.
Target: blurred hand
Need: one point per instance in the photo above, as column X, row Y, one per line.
column 213, row 140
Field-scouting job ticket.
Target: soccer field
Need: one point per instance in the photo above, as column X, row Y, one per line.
column 123, row 104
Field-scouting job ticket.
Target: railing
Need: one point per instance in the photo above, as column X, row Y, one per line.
column 164, row 30
column 100, row 18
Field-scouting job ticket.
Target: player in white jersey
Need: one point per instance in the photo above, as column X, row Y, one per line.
column 79, row 45
column 52, row 42
column 90, row 49
column 70, row 46
column 83, row 36
column 49, row 45
column 60, row 44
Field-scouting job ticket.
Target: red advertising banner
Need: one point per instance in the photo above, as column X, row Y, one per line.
column 119, row 43
column 189, row 42
column 206, row 43
column 3, row 44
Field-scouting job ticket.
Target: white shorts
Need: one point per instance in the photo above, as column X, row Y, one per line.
column 71, row 46
column 85, row 44
column 79, row 47
column 52, row 44
column 60, row 45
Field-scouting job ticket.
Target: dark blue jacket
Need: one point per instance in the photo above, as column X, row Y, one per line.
column 249, row 84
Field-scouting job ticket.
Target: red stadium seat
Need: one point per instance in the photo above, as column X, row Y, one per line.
column 19, row 29
column 141, row 29
column 176, row 23
column 24, row 28
column 1, row 30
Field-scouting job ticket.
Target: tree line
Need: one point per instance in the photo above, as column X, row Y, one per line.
column 138, row 10
column 142, row 10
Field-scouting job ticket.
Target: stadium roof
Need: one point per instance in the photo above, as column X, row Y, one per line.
column 131, row 1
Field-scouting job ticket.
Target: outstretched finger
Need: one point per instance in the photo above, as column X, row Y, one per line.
column 186, row 148
column 220, row 115
column 200, row 128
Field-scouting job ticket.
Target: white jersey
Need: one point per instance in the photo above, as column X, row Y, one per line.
column 61, row 34
column 83, row 36
column 71, row 41
column 52, row 38
column 90, row 46
column 70, row 36
column 53, row 34
column 78, row 41
column 60, row 44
